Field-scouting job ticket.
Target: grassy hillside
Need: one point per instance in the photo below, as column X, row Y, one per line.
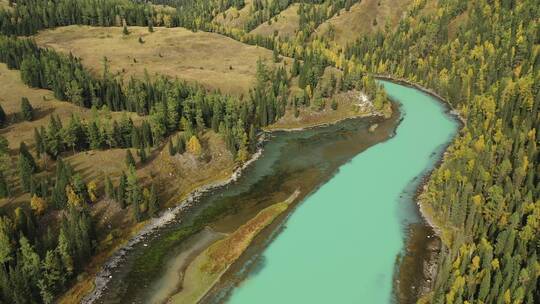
column 234, row 18
column 285, row 24
column 213, row 60
column 363, row 18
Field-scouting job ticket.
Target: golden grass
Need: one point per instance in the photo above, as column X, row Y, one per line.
column 215, row 61
column 348, row 26
column 234, row 18
column 286, row 23
column 209, row 266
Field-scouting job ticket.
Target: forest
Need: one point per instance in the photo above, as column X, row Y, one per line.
column 484, row 196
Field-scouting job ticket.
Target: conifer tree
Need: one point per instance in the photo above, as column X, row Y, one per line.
column 181, row 145
column 121, row 192
column 172, row 149
column 26, row 165
column 64, row 252
column 142, row 155
column 130, row 161
column 3, row 118
column 4, row 187
column 52, row 278
column 27, row 112
column 109, row 188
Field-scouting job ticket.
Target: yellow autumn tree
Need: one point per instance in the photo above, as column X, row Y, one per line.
column 194, row 146
column 72, row 197
column 38, row 204
column 92, row 191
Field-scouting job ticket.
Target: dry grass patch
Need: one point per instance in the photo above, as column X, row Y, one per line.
column 216, row 61
column 346, row 27
column 286, row 23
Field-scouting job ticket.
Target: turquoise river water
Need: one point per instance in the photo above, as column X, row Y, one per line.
column 340, row 245
column 340, row 241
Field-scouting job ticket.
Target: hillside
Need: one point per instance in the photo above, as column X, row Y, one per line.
column 285, row 24
column 363, row 18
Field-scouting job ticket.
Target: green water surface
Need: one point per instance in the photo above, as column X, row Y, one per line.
column 340, row 245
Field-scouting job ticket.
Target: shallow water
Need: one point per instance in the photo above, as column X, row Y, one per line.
column 340, row 245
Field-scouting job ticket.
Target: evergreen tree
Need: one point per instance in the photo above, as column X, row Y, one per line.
column 109, row 188
column 52, row 277
column 29, row 261
column 27, row 112
column 121, row 192
column 130, row 161
column 64, row 252
column 26, row 165
column 180, row 145
column 172, row 149
column 4, row 187
column 142, row 155
column 3, row 118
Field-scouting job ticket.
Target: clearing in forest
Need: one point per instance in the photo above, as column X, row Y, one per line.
column 213, row 60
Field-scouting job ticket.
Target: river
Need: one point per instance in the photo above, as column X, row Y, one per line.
column 339, row 244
